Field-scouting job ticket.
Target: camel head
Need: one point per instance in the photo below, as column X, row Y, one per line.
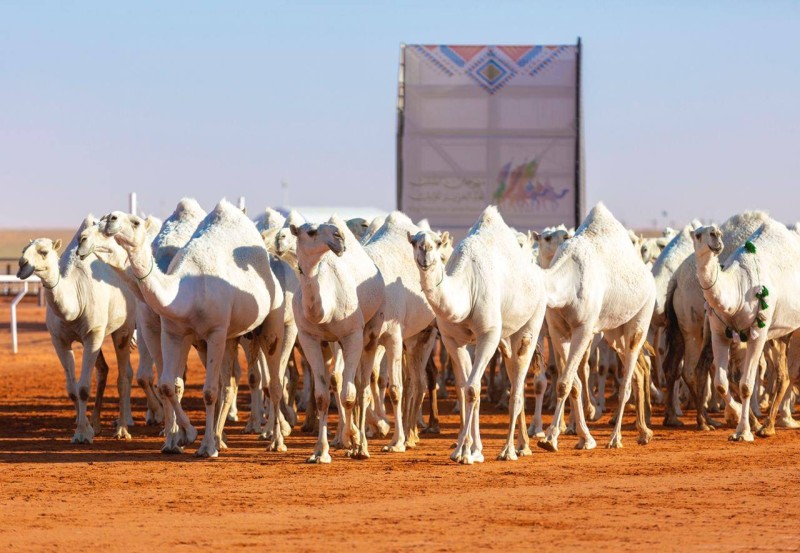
column 549, row 241
column 428, row 248
column 707, row 239
column 269, row 236
column 130, row 232
column 358, row 226
column 38, row 257
column 285, row 241
column 93, row 240
column 317, row 239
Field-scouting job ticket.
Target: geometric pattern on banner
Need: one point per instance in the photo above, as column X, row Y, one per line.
column 492, row 67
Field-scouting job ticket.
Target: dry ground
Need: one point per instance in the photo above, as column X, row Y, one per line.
column 687, row 490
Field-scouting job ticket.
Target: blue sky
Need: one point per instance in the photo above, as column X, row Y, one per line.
column 690, row 107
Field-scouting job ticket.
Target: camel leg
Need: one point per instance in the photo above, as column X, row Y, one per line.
column 310, row 425
column 226, row 395
column 461, row 363
column 277, row 341
column 721, row 349
column 257, row 383
column 312, row 349
column 574, row 350
column 393, row 343
column 517, row 364
column 236, row 376
column 642, row 377
column 746, row 387
column 145, row 376
column 216, row 347
column 588, row 404
column 178, row 431
column 775, row 351
column 485, row 348
column 67, row 358
column 122, row 349
column 632, row 335
column 433, row 398
column 100, row 390
column 536, row 428
column 84, row 433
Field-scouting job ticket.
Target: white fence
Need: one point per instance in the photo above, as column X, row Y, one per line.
column 11, row 279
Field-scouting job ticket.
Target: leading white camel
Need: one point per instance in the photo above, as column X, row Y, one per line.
column 490, row 294
column 86, row 301
column 597, row 282
column 341, row 290
column 218, row 287
column 753, row 297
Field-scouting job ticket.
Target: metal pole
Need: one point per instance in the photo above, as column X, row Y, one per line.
column 285, row 190
column 133, row 203
column 14, row 303
column 241, row 203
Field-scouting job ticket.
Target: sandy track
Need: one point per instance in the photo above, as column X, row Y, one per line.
column 686, row 490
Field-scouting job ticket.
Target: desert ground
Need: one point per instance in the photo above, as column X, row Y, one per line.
column 687, row 490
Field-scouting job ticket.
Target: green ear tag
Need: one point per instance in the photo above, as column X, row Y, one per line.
column 750, row 247
column 764, row 292
column 763, row 303
column 761, row 324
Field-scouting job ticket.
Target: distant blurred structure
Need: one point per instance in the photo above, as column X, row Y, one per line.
column 481, row 125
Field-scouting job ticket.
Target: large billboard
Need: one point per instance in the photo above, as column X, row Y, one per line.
column 480, row 125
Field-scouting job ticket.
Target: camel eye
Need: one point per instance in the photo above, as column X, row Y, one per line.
column 312, row 232
column 547, row 238
column 136, row 223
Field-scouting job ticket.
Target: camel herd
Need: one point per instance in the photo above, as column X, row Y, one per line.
column 364, row 307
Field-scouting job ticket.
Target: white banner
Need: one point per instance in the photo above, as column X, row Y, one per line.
column 486, row 125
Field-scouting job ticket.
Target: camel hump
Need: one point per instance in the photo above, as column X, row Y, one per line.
column 189, row 206
column 490, row 216
column 398, row 218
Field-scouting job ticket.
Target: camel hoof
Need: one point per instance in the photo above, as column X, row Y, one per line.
column 508, row 454
column 787, row 422
column 286, row 428
column 252, row 427
column 187, row 436
column 394, row 448
column 570, row 431
column 645, row 437
column 466, row 460
column 741, row 437
column 122, row 433
column 171, row 449
column 587, row 443
column 318, row 459
column 672, row 422
column 766, row 431
column 280, row 448
column 232, row 417
column 435, row 429
column 477, row 458
column 308, row 428
column 361, row 454
column 207, row 452
column 524, row 451
column 615, row 443
column 703, row 427
column 548, row 444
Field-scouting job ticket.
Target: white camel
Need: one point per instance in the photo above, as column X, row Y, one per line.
column 490, row 294
column 341, row 290
column 597, row 282
column 752, row 298
column 684, row 310
column 86, row 301
column 404, row 324
column 218, row 287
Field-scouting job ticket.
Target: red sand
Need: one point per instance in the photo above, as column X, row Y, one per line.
column 686, row 490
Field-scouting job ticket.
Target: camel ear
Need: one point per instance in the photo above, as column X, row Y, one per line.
column 294, row 230
column 149, row 223
column 446, row 237
column 535, row 236
column 57, row 245
column 410, row 237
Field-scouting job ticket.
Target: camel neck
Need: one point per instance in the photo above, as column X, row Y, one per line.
column 62, row 294
column 314, row 282
column 448, row 294
column 720, row 288
column 158, row 289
